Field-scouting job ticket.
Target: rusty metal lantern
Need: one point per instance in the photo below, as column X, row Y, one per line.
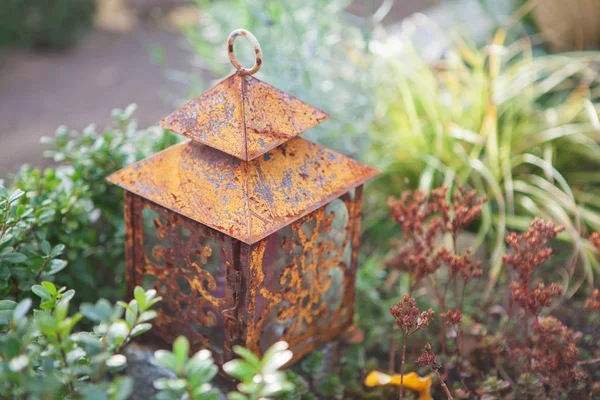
column 249, row 232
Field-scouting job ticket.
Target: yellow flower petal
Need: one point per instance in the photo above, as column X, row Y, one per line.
column 411, row 381
column 376, row 378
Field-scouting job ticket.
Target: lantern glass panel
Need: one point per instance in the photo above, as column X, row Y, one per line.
column 305, row 269
column 189, row 271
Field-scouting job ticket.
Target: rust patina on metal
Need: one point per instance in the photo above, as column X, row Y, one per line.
column 249, row 233
column 247, row 200
column 244, row 117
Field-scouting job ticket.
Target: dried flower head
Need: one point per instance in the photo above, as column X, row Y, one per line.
column 529, row 248
column 534, row 300
column 452, row 317
column 424, row 220
column 593, row 302
column 415, row 214
column 466, row 207
column 408, row 316
column 461, row 265
column 529, row 251
column 554, row 353
column 428, row 359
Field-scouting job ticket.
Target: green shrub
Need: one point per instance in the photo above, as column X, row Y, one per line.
column 25, row 256
column 259, row 378
column 71, row 205
column 522, row 130
column 43, row 357
column 56, row 23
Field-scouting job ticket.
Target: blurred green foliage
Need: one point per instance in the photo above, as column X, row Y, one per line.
column 44, row 23
column 521, row 129
column 312, row 49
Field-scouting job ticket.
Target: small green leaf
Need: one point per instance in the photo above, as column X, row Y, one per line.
column 41, row 292
column 7, row 304
column 49, row 286
column 276, row 357
column 247, row 355
column 140, row 297
column 5, row 316
column 67, row 296
column 181, row 349
column 121, row 388
column 14, row 258
column 21, row 309
column 94, row 393
column 61, row 311
column 237, row 396
column 57, row 250
column 16, row 195
column 90, row 312
column 131, row 313
column 166, row 359
column 240, row 370
column 140, row 329
column 117, row 332
column 45, row 247
column 125, row 306
column 47, row 305
column 56, row 266
column 116, row 362
column 147, row 316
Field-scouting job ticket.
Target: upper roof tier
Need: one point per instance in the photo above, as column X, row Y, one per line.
column 244, row 117
column 245, row 200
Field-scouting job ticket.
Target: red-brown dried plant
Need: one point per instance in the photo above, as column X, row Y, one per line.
column 593, row 302
column 424, row 221
column 428, row 359
column 409, row 319
column 529, row 250
column 554, row 354
column 452, row 318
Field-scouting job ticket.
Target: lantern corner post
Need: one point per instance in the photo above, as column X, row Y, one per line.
column 355, row 244
column 133, row 239
column 234, row 294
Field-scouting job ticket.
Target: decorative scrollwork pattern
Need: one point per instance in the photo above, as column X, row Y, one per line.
column 188, row 269
column 302, row 278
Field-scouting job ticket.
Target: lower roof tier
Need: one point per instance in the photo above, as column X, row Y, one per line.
column 247, row 200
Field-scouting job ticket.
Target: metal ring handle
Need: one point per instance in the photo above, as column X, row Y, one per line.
column 257, row 51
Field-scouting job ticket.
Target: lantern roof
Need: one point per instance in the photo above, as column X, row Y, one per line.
column 244, row 172
column 244, row 117
column 247, row 200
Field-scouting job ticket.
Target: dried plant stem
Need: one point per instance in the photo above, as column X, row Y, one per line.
column 402, row 366
column 592, row 361
column 448, row 394
column 527, row 362
column 442, row 305
column 392, row 358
